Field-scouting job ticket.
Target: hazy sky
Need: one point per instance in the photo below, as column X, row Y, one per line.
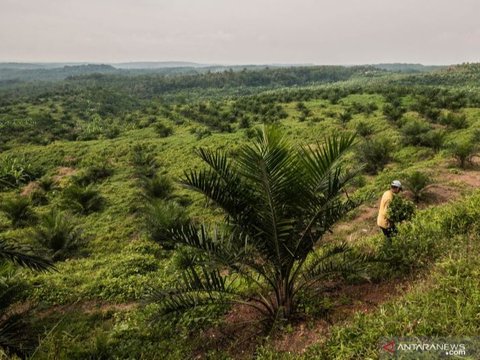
column 247, row 31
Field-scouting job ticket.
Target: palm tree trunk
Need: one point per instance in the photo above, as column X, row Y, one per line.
column 284, row 299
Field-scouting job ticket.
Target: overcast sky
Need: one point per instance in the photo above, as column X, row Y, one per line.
column 241, row 32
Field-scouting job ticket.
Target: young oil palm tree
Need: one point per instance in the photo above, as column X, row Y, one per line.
column 279, row 201
column 59, row 235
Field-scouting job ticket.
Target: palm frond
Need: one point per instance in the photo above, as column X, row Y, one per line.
column 217, row 245
column 12, row 336
column 20, row 257
column 319, row 161
column 339, row 260
column 228, row 193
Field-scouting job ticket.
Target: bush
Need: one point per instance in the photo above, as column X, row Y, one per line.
column 454, row 120
column 46, row 183
column 93, row 173
column 345, row 116
column 463, row 151
column 57, row 233
column 434, row 139
column 417, row 183
column 38, row 196
column 162, row 216
column 15, row 172
column 163, row 130
column 393, row 112
column 18, row 210
column 204, row 132
column 414, row 131
column 143, row 159
column 82, row 200
column 363, row 129
column 159, row 186
column 244, row 122
column 375, row 153
column 400, row 210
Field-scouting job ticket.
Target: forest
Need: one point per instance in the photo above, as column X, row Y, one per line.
column 230, row 212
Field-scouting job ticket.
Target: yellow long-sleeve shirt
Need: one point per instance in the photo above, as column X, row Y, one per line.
column 382, row 219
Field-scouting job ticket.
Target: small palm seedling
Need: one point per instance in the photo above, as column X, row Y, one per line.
column 38, row 196
column 345, row 116
column 417, row 183
column 364, row 129
column 13, row 172
column 93, row 173
column 57, row 233
column 46, row 183
column 158, row 187
column 143, row 159
column 82, row 200
column 18, row 210
column 162, row 216
column 163, row 130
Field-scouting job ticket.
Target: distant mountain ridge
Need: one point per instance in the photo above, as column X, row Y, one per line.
column 157, row 64
column 408, row 68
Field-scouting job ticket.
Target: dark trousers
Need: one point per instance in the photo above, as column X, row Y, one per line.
column 389, row 232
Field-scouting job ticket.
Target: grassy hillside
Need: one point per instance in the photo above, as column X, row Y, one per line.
column 102, row 154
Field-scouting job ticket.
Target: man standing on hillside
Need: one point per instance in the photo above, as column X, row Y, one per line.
column 388, row 228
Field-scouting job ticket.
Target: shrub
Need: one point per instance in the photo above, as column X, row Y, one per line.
column 83, row 200
column 162, row 216
column 202, row 132
column 143, row 159
column 18, row 210
column 94, row 173
column 15, row 172
column 375, row 153
column 163, row 130
column 345, row 116
column 46, row 183
column 159, row 186
column 454, row 120
column 363, row 129
column 463, row 151
column 393, row 112
column 413, row 132
column 38, row 196
column 434, row 139
column 58, row 233
column 417, row 182
column 400, row 210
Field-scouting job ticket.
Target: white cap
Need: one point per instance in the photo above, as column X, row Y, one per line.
column 396, row 183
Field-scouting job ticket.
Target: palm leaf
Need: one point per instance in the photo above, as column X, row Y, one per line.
column 20, row 257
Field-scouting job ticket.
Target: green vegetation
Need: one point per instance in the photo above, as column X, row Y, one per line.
column 58, row 233
column 96, row 171
column 400, row 210
column 18, row 210
column 417, row 183
column 83, row 200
